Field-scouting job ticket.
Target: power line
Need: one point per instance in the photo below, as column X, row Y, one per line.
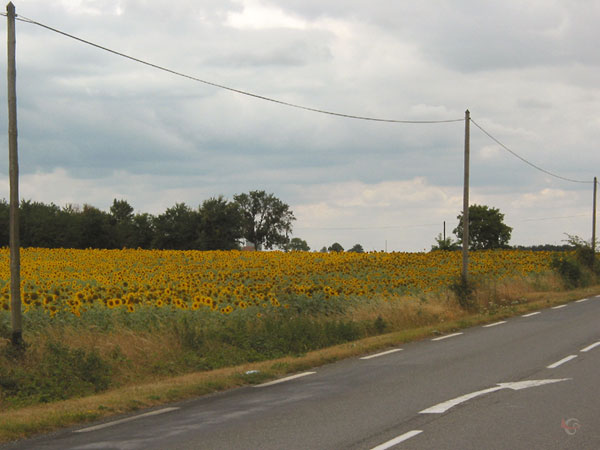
column 524, row 160
column 238, row 91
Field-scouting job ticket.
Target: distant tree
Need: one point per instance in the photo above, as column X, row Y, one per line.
column 298, row 245
column 142, row 234
column 122, row 220
column 93, row 229
column 220, row 225
column 486, row 228
column 445, row 244
column 177, row 228
column 357, row 249
column 323, row 250
column 335, row 247
column 266, row 220
column 41, row 225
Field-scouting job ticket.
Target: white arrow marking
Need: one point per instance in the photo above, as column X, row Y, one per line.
column 516, row 386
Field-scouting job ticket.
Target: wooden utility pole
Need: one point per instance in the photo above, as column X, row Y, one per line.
column 594, row 218
column 465, row 236
column 13, row 159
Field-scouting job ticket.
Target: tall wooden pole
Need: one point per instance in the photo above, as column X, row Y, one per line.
column 594, row 218
column 465, row 236
column 15, row 257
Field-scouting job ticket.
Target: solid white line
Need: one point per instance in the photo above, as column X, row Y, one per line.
column 582, row 300
column 531, row 314
column 281, row 380
column 127, row 419
column 382, row 353
column 589, row 347
column 562, row 361
column 558, row 307
column 494, row 324
column 397, row 440
column 446, row 337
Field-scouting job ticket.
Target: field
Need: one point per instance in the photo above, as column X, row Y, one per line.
column 75, row 282
column 96, row 320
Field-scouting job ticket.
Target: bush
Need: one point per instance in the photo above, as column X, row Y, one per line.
column 570, row 270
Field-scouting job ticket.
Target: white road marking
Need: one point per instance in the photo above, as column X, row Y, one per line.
column 382, row 353
column 558, row 307
column 397, row 440
column 494, row 324
column 561, row 362
column 127, row 419
column 589, row 347
column 446, row 337
column 582, row 300
column 531, row 314
column 281, row 380
column 515, row 386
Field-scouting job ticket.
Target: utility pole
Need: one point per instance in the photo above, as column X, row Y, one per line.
column 15, row 257
column 594, row 218
column 444, row 231
column 465, row 236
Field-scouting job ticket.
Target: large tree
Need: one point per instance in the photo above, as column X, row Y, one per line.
column 266, row 220
column 487, row 229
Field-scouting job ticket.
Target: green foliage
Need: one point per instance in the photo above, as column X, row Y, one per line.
column 335, row 247
column 357, row 248
column 464, row 291
column 297, row 245
column 486, row 228
column 266, row 220
column 579, row 267
column 220, row 225
column 60, row 373
column 445, row 244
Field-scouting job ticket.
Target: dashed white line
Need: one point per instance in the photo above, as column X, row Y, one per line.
column 397, row 440
column 494, row 324
column 281, row 380
column 582, row 300
column 531, row 314
column 382, row 353
column 558, row 307
column 589, row 347
column 446, row 337
column 127, row 419
column 561, row 362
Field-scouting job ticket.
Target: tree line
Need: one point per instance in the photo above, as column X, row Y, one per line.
column 217, row 224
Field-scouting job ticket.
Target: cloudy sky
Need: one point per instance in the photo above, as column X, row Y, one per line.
column 94, row 126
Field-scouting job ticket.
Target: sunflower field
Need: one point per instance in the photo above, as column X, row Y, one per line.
column 75, row 282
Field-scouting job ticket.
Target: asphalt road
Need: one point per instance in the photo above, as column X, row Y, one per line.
column 526, row 383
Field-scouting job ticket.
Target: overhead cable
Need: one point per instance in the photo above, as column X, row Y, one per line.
column 239, row 91
column 524, row 160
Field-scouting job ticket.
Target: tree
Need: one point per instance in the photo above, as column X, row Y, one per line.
column 357, row 248
column 335, row 247
column 177, row 228
column 445, row 244
column 297, row 245
column 220, row 225
column 122, row 219
column 266, row 220
column 486, row 228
